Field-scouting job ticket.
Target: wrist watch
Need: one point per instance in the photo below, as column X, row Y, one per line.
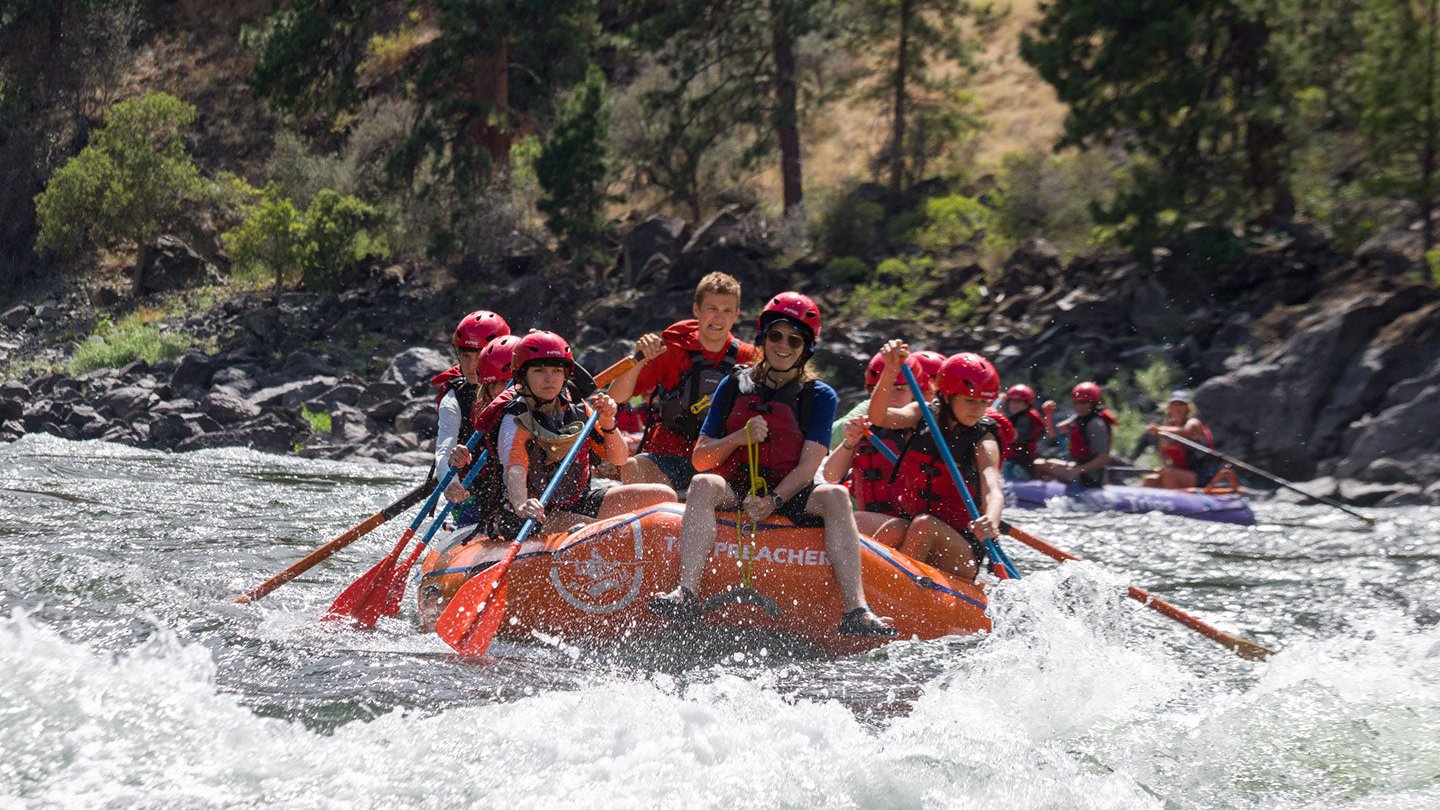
column 779, row 501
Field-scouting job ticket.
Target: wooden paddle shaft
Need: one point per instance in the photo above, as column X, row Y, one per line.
column 355, row 533
column 1245, row 649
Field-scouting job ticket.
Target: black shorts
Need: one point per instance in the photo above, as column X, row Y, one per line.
column 508, row 524
column 793, row 507
column 1092, row 479
column 678, row 469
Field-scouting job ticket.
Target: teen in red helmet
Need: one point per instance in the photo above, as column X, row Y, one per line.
column 930, row 363
column 677, row 375
column 542, row 419
column 1181, row 466
column 856, row 462
column 786, row 413
column 1019, row 455
column 965, row 386
column 1089, row 439
column 457, row 397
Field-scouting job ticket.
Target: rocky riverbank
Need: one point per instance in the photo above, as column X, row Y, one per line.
column 1308, row 362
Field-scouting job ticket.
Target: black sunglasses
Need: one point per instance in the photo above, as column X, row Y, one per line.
column 776, row 336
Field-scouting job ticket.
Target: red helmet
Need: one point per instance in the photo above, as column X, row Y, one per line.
column 795, row 308
column 877, row 365
column 1086, row 392
column 970, row 375
column 930, row 363
column 1021, row 392
column 540, row 345
column 478, row 328
column 495, row 359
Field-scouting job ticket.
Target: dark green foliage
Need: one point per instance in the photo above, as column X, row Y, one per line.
column 572, row 165
column 319, row 245
column 1193, row 91
column 852, row 227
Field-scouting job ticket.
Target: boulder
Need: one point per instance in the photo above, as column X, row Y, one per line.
column 169, row 264
column 342, row 394
column 420, row 418
column 415, row 366
column 126, row 402
column 382, row 400
column 1392, row 253
column 11, row 430
column 11, row 407
column 17, row 316
column 301, row 364
column 651, row 247
column 235, row 379
column 194, row 370
column 1036, row 262
column 171, row 429
column 86, row 421
column 227, row 407
column 291, row 394
column 264, row 324
column 349, row 425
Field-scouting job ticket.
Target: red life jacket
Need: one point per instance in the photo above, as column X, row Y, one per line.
column 923, row 482
column 682, row 409
column 1185, row 458
column 871, row 473
column 1029, row 427
column 1080, row 451
column 786, row 411
column 441, row 382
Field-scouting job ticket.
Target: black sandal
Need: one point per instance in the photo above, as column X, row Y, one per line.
column 679, row 605
column 863, row 623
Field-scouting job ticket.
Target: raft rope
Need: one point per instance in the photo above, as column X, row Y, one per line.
column 747, row 530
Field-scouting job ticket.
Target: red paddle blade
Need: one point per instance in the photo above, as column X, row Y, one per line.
column 472, row 617
column 395, row 589
column 364, row 598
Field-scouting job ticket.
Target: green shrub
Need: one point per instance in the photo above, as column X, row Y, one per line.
column 114, row 345
column 572, row 166
column 894, row 290
column 335, row 234
column 851, row 227
column 1432, row 262
column 132, row 180
column 319, row 245
column 1051, row 197
column 952, row 222
column 319, row 420
column 848, row 269
column 962, row 307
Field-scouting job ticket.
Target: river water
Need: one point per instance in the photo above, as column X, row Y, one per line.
column 128, row 677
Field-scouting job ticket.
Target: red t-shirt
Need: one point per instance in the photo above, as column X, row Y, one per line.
column 666, row 371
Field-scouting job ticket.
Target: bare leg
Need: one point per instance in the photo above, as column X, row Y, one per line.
column 949, row 551
column 697, row 528
column 633, row 498
column 641, row 470
column 1153, row 479
column 881, row 528
column 831, row 502
column 1176, row 478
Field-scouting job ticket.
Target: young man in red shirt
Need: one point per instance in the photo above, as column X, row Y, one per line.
column 678, row 375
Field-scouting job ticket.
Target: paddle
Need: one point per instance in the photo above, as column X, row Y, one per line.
column 364, row 597
column 472, row 617
column 1234, row 462
column 1245, row 649
column 999, row 562
column 355, row 533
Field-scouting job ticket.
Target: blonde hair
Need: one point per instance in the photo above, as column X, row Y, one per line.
column 718, row 283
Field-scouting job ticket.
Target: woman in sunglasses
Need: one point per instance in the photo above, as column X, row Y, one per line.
column 459, row 389
column 781, row 409
column 935, row 521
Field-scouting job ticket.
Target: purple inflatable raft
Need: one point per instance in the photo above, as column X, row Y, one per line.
column 1221, row 508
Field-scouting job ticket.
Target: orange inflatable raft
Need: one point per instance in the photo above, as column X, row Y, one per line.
column 592, row 584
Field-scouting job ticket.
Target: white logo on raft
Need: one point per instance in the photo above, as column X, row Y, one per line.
column 595, row 584
column 781, row 555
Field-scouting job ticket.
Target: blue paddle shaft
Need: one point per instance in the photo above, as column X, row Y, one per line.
column 949, row 459
column 444, row 482
column 444, row 513
column 884, row 448
column 560, row 471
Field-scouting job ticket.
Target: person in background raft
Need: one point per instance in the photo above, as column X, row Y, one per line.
column 540, row 423
column 780, row 409
column 940, row 531
column 679, row 372
column 459, row 391
column 1089, row 435
column 865, row 471
column 1019, row 464
column 1182, row 467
